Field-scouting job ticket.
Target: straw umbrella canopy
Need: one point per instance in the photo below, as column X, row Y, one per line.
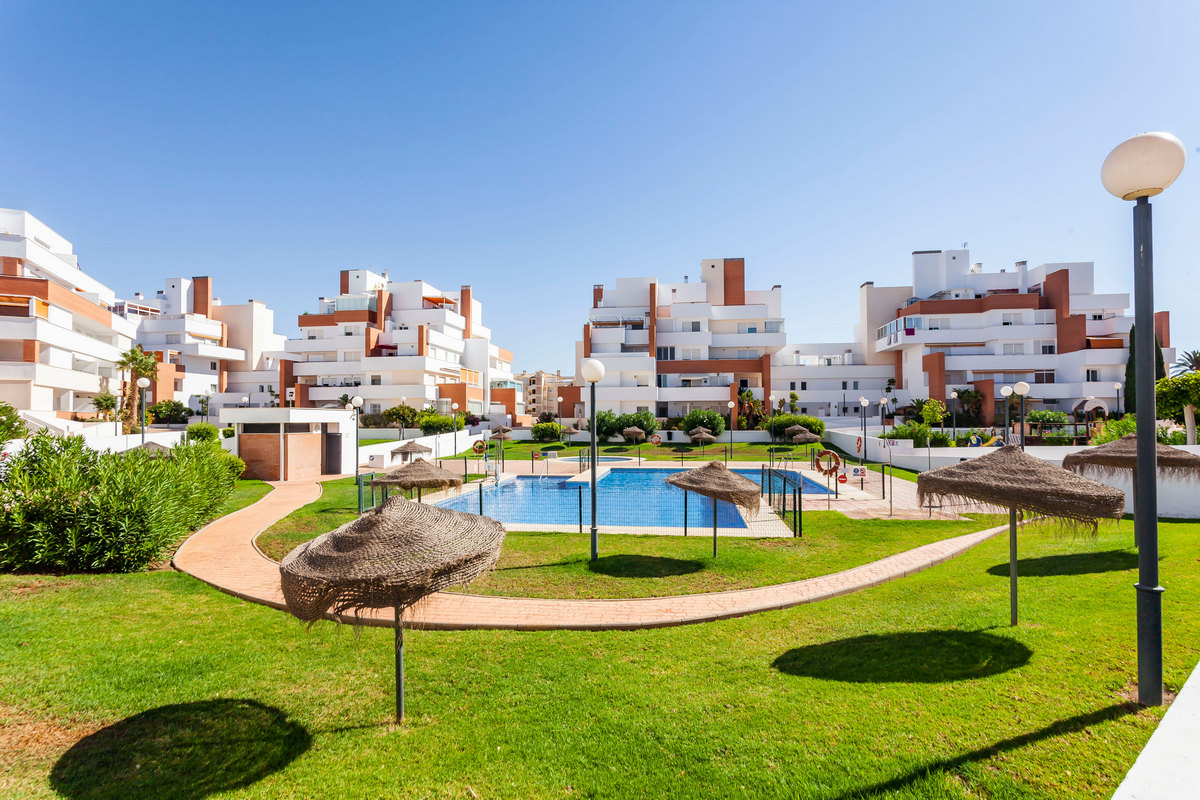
column 410, row 448
column 795, row 430
column 716, row 481
column 703, row 437
column 501, row 429
column 699, row 429
column 500, row 436
column 804, row 436
column 635, row 434
column 155, row 449
column 569, row 430
column 1010, row 477
column 418, row 474
column 391, row 557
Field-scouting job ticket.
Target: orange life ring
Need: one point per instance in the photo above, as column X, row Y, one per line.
column 656, row 440
column 479, row 447
column 834, row 462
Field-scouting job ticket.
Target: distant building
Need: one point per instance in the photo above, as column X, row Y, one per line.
column 59, row 337
column 542, row 392
column 394, row 342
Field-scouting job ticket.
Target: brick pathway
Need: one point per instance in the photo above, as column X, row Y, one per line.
column 223, row 555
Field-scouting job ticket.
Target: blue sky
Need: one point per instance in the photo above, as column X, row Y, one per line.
column 533, row 149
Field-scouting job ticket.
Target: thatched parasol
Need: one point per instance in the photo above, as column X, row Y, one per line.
column 717, row 481
column 702, row 436
column 501, row 429
column 699, row 429
column 392, row 556
column 1120, row 456
column 1010, row 477
column 410, row 448
column 500, row 436
column 418, row 474
column 155, row 449
column 636, row 434
column 569, row 431
column 805, row 436
column 795, row 429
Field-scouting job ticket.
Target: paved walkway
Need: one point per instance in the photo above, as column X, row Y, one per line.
column 1169, row 766
column 223, row 555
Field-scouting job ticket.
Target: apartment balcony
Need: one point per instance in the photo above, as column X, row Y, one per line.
column 618, row 314
column 694, row 394
column 756, row 311
column 53, row 377
column 1113, row 326
column 769, row 341
column 614, row 395
column 682, row 338
column 37, row 329
column 322, row 345
column 408, row 364
column 1081, row 303
column 214, row 351
column 311, row 368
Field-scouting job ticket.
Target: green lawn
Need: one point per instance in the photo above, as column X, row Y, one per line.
column 913, row 689
column 365, row 442
column 667, row 451
column 337, row 505
column 247, row 492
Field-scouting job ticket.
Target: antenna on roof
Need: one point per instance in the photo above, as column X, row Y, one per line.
column 964, row 247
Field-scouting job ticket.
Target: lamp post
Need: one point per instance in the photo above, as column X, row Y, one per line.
column 1117, row 386
column 559, row 409
column 142, row 383
column 593, row 371
column 771, row 427
column 454, row 424
column 403, row 402
column 1022, row 388
column 862, row 451
column 891, row 475
column 207, row 400
column 245, row 401
column 1087, row 412
column 730, row 405
column 1006, row 392
column 1137, row 169
column 953, row 415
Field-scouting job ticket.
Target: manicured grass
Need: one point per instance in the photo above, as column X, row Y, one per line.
column 667, row 451
column 913, row 689
column 247, row 492
column 337, row 505
column 559, row 565
column 365, row 442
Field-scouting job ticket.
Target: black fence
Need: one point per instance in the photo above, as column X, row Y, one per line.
column 783, row 490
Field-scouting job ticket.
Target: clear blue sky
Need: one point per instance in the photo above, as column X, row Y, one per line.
column 533, row 149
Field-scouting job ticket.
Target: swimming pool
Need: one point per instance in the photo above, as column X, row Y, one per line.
column 626, row 497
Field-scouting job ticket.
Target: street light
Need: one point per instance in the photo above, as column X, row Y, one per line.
column 245, row 401
column 454, row 424
column 1022, row 388
column 731, row 405
column 1137, row 169
column 559, row 409
column 953, row 416
column 1117, row 386
column 403, row 402
column 593, row 371
column 1006, row 392
column 142, row 383
column 862, row 451
column 1087, row 412
column 891, row 474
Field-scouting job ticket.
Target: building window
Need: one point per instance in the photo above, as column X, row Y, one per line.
column 843, row 386
column 856, row 386
column 349, row 332
column 1043, row 376
column 1049, row 349
column 664, row 353
column 212, row 365
column 1011, row 319
column 938, row 323
column 803, row 386
column 803, row 409
column 792, row 386
column 772, row 326
column 692, row 326
column 312, row 336
column 1093, row 375
column 744, row 384
column 1014, row 348
column 1097, row 316
column 173, row 338
column 375, row 408
column 376, row 380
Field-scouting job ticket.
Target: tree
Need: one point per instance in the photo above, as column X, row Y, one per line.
column 638, row 419
column 139, row 364
column 11, row 424
column 1160, row 371
column 704, row 418
column 169, row 411
column 608, row 424
column 344, row 400
column 106, row 404
column 970, row 405
column 793, row 399
column 402, row 416
column 1189, row 361
column 1180, row 395
column 201, row 432
column 933, row 411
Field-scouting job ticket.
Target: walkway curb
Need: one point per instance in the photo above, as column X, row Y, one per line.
column 224, row 556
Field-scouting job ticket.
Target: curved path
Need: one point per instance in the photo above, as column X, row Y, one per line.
column 223, row 555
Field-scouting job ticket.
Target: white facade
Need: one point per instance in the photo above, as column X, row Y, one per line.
column 394, row 342
column 58, row 336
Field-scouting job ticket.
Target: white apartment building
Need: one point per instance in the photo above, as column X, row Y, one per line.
column 958, row 327
column 394, row 342
column 59, row 337
column 207, row 349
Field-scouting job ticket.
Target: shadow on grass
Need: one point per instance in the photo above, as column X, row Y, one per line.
column 1062, row 727
column 1070, row 564
column 185, row 752
column 937, row 656
column 634, row 566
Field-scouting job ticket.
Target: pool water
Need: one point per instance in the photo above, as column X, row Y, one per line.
column 628, row 497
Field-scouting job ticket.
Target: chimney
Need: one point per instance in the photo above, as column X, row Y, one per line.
column 1022, row 276
column 464, row 302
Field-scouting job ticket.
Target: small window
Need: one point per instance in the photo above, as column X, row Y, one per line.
column 803, row 386
column 744, row 383
column 1097, row 316
column 349, row 332
column 1014, row 348
column 1093, row 375
column 693, row 326
column 376, row 380
column 843, row 385
column 1011, row 319
column 375, row 408
column 792, row 386
column 856, row 386
column 212, row 365
column 1049, row 349
column 312, row 336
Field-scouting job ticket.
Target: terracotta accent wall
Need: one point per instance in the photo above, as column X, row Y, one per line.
column 899, row 354
column 1071, row 333
column 460, row 393
column 163, row 383
column 370, row 340
column 716, row 365
column 975, row 305
column 12, row 267
column 464, row 308
column 733, row 415
column 344, row 286
column 202, row 296
column 987, row 388
column 302, row 456
column 1162, row 327
column 323, row 320
column 31, row 351
column 287, row 378
column 572, row 395
column 597, row 295
column 260, row 451
column 653, row 324
column 422, row 340
column 222, row 376
column 507, row 398
column 1056, row 289
column 735, row 281
column 765, row 370
column 383, row 307
column 587, row 341
column 934, row 365
column 57, row 295
column 1104, row 343
column 302, row 400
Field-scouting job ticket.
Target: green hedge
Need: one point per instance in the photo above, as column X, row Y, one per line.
column 781, row 422
column 546, row 432
column 702, row 417
column 65, row 507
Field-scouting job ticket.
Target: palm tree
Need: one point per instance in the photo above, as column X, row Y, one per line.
column 1189, row 361
column 138, row 363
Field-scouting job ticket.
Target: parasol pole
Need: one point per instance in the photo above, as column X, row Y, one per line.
column 1012, row 564
column 714, row 502
column 399, row 667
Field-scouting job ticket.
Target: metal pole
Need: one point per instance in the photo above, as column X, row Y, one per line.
column 481, row 498
column 143, row 417
column 891, row 478
column 714, row 502
column 1145, row 522
column 595, row 532
column 399, row 668
column 1012, row 565
column 1006, row 422
column 580, row 493
column 862, row 475
column 685, row 512
column 1022, row 422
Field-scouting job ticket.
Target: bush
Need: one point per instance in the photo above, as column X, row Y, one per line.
column 703, row 417
column 228, row 433
column 546, row 432
column 11, row 424
column 639, row 419
column 65, row 507
column 608, row 424
column 918, row 432
column 171, row 412
column 781, row 422
column 402, row 416
column 372, row 421
column 546, row 416
column 1044, row 416
column 432, row 422
column 201, row 432
column 939, row 439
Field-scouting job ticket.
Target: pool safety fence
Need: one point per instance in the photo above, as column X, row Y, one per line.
column 782, row 490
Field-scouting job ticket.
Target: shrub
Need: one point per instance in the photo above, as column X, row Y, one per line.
column 781, row 422
column 639, row 419
column 939, row 439
column 703, row 417
column 546, row 432
column 105, row 403
column 228, row 433
column 1044, row 416
column 608, row 424
column 201, row 432
column 918, row 432
column 65, row 507
column 372, row 421
column 11, row 424
column 432, row 422
column 171, row 412
column 402, row 416
column 546, row 416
